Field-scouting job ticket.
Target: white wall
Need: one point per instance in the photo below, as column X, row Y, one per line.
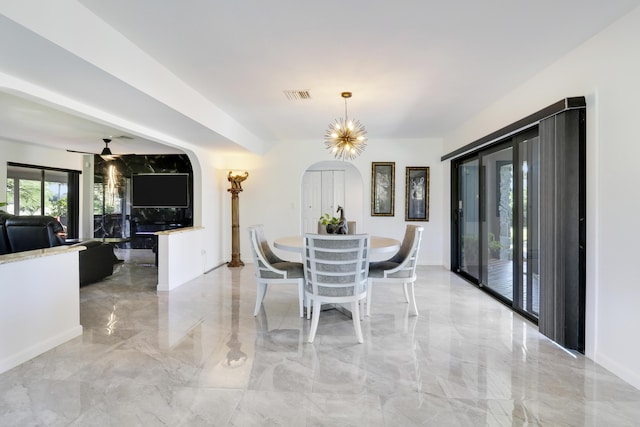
column 272, row 193
column 178, row 260
column 16, row 152
column 39, row 303
column 207, row 211
column 606, row 71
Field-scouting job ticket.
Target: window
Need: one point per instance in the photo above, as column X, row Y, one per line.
column 35, row 190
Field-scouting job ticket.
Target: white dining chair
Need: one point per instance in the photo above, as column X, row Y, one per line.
column 272, row 270
column 336, row 270
column 400, row 268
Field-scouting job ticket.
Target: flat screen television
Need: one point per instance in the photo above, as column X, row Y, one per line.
column 160, row 190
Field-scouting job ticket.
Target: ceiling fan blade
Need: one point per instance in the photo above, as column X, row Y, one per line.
column 103, row 155
column 81, row 152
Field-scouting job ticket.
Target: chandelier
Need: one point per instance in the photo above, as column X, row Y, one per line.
column 346, row 138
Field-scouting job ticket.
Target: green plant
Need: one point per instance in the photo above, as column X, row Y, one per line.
column 59, row 207
column 494, row 246
column 470, row 246
column 328, row 219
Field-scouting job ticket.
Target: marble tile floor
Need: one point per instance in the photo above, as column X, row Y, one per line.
column 198, row 357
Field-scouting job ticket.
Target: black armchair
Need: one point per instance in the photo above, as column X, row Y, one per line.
column 24, row 233
column 4, row 239
column 33, row 232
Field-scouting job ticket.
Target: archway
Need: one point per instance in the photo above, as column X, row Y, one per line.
column 325, row 186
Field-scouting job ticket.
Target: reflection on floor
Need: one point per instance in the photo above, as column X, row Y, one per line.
column 197, row 356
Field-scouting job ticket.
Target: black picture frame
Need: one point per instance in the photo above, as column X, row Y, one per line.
column 383, row 188
column 417, row 193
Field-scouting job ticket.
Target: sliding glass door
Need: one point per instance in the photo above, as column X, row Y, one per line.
column 527, row 295
column 518, row 227
column 496, row 230
column 35, row 190
column 469, row 218
column 497, row 222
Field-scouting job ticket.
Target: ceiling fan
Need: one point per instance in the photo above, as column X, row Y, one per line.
column 106, row 153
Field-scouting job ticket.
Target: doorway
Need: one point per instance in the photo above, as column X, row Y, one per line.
column 327, row 185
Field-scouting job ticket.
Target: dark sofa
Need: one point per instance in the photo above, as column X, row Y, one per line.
column 24, row 233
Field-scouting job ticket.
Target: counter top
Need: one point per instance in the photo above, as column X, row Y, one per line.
column 177, row 230
column 38, row 253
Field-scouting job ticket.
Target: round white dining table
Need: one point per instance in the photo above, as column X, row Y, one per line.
column 378, row 245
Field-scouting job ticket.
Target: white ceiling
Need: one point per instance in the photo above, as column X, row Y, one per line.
column 417, row 69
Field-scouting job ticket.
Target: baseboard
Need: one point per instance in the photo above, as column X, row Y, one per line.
column 29, row 353
column 620, row 371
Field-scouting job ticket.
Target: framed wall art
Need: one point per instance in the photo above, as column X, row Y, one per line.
column 383, row 188
column 417, row 194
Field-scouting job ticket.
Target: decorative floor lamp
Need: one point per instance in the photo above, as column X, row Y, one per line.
column 236, row 187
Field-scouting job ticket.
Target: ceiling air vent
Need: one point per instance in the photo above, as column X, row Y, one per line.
column 297, row 95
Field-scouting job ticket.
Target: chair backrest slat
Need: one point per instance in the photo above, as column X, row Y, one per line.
column 336, row 261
